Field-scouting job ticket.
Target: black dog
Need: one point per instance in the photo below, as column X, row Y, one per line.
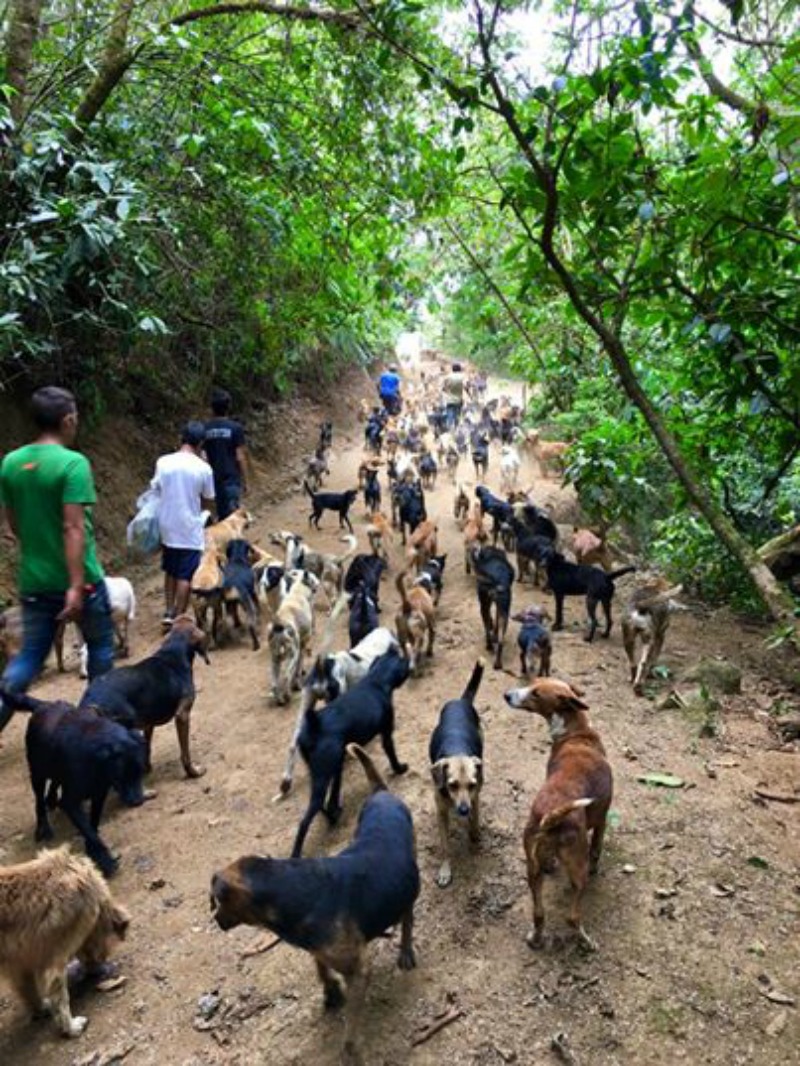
column 456, row 755
column 341, row 502
column 373, row 434
column 533, row 641
column 363, row 712
column 325, row 436
column 431, row 576
column 428, row 470
column 501, row 512
column 531, row 548
column 332, row 907
column 372, row 491
column 239, row 587
column 76, row 755
column 411, row 508
column 480, row 455
column 156, row 690
column 572, row 579
column 364, row 570
column 363, row 614
column 495, row 578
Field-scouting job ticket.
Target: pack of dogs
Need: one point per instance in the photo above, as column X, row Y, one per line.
column 57, row 907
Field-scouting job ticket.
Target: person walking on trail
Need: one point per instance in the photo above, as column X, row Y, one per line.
column 184, row 482
column 389, row 390
column 47, row 493
column 453, row 389
column 226, row 454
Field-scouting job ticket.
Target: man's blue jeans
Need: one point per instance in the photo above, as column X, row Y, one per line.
column 40, row 622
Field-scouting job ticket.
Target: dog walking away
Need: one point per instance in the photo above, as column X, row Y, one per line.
column 75, row 755
column 494, row 576
column 534, row 641
column 333, row 907
column 156, row 690
column 456, row 755
column 572, row 803
column 53, row 909
column 290, row 633
column 570, row 579
column 357, row 717
column 340, row 502
column 239, row 588
column 415, row 622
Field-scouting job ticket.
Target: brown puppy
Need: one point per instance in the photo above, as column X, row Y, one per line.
column 52, row 909
column 422, row 544
column 415, row 622
column 646, row 618
column 573, row 801
column 475, row 534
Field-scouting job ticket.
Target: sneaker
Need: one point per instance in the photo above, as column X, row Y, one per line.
column 167, row 620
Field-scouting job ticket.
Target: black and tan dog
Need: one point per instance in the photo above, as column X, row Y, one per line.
column 156, row 690
column 572, row 803
column 456, row 754
column 334, row 906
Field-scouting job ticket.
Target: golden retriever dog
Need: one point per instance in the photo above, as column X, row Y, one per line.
column 415, row 622
column 53, row 909
column 290, row 633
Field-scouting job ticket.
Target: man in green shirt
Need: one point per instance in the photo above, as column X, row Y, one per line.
column 47, row 492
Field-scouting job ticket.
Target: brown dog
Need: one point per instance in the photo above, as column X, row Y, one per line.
column 52, row 909
column 475, row 534
column 415, row 622
column 422, row 544
column 573, row 801
column 646, row 618
column 591, row 549
column 230, row 528
column 379, row 535
column 547, row 453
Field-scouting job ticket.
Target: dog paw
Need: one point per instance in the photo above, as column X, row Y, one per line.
column 401, row 768
column 194, row 770
column 584, row 941
column 334, row 997
column 535, row 940
column 76, row 1026
column 406, row 959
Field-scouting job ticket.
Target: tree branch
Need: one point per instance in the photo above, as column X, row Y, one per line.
column 23, row 29
column 347, row 19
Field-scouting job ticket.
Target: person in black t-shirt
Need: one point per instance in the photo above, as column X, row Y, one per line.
column 227, row 455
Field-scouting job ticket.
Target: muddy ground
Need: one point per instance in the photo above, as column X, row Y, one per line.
column 695, row 908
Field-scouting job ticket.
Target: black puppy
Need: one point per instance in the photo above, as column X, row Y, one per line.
column 411, row 508
column 156, row 690
column 363, row 614
column 572, row 579
column 362, row 713
column 495, row 578
column 76, row 755
column 533, row 641
column 456, row 755
column 239, row 587
column 501, row 512
column 334, row 906
column 372, row 490
column 431, row 576
column 341, row 502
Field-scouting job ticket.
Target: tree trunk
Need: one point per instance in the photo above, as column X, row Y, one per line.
column 23, row 30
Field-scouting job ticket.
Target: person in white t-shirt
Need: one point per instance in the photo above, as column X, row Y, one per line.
column 185, row 484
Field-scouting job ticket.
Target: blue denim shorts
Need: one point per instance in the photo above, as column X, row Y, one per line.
column 180, row 563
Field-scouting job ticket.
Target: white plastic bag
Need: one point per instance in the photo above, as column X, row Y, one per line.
column 144, row 535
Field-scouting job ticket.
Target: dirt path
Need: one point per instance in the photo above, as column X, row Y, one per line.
column 695, row 908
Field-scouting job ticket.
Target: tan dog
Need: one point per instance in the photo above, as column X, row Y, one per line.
column 456, row 754
column 207, row 590
column 290, row 633
column 52, row 909
column 591, row 549
column 475, row 534
column 422, row 544
column 573, row 801
column 230, row 528
column 416, row 622
column 546, row 453
column 461, row 506
column 646, row 618
column 380, row 535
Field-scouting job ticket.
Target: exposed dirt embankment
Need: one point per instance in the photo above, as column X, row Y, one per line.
column 123, row 451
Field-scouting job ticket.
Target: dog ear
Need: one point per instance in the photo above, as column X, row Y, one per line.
column 478, row 764
column 573, row 703
column 439, row 774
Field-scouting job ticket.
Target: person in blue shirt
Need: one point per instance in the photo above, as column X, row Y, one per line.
column 389, row 390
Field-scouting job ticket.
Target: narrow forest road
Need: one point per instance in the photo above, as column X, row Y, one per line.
column 695, row 907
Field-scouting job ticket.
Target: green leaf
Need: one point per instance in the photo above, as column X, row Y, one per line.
column 757, row 862
column 662, row 780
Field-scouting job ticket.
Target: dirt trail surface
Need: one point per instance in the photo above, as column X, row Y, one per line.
column 694, row 909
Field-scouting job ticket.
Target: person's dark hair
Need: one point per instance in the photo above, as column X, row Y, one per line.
column 193, row 433
column 50, row 406
column 220, row 401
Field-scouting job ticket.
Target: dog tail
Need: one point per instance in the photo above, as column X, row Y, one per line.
column 373, row 776
column 620, row 573
column 400, row 583
column 657, row 599
column 19, row 701
column 556, row 817
column 352, row 544
column 473, row 684
column 327, row 636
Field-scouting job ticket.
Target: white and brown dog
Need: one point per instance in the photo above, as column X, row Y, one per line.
column 290, row 633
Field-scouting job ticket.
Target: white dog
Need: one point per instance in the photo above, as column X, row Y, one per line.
column 123, row 611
